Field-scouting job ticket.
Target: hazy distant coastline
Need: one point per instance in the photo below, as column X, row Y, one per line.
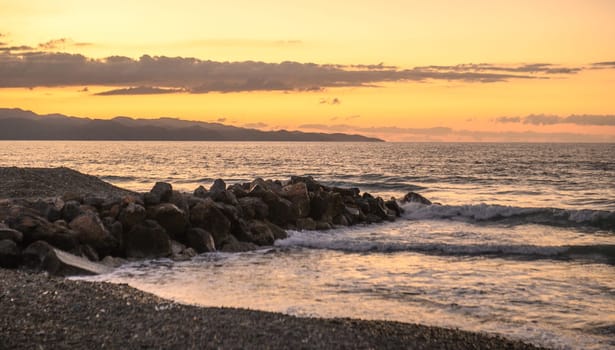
column 18, row 124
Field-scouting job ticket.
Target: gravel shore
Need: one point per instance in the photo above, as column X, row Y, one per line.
column 41, row 312
column 51, row 182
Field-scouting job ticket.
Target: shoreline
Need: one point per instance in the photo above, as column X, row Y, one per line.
column 40, row 310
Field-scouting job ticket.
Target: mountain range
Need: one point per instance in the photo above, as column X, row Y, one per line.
column 18, row 124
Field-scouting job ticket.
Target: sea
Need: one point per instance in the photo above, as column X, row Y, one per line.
column 521, row 242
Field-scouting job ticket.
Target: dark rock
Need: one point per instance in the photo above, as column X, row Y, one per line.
column 253, row 208
column 181, row 202
column 311, row 184
column 34, row 228
column 354, row 214
column 347, row 192
column 323, row 226
column 373, row 218
column 147, row 240
column 113, row 262
column 90, row 230
column 281, row 211
column 131, row 215
column 261, row 233
column 86, row 251
column 278, row 232
column 201, row 192
column 298, row 194
column 171, row 218
column 9, row 233
column 131, row 199
column 341, row 220
column 218, row 186
column 232, row 245
column 238, row 190
column 209, row 217
column 10, row 256
column 226, row 197
column 413, row 197
column 151, row 199
column 93, row 201
column 306, row 224
column 200, row 240
column 71, row 210
column 318, row 204
column 162, row 191
column 392, row 205
column 60, row 263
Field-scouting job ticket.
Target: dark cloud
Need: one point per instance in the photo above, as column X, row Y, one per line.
column 85, row 89
column 546, row 119
column 37, row 68
column 221, row 120
column 140, row 90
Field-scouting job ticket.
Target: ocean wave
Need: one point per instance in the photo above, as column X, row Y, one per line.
column 114, row 178
column 601, row 219
column 602, row 253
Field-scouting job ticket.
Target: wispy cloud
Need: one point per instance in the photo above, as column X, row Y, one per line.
column 532, row 68
column 605, row 64
column 546, row 119
column 140, row 90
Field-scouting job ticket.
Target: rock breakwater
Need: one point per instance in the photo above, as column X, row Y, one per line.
column 105, row 228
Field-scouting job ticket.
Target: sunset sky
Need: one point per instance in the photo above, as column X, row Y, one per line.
column 473, row 70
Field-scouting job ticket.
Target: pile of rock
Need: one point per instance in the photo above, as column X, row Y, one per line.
column 167, row 223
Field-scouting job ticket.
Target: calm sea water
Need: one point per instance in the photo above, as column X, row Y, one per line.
column 522, row 245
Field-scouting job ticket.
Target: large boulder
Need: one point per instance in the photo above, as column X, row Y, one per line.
column 201, row 192
column 132, row 215
column 218, row 186
column 200, row 240
column 10, row 256
column 261, row 233
column 208, row 216
column 90, row 230
column 147, row 240
column 8, row 233
column 161, row 192
column 325, row 206
column 311, row 184
column 60, row 263
column 232, row 245
column 171, row 218
column 71, row 210
column 253, row 208
column 34, row 228
column 413, row 197
column 298, row 194
column 391, row 204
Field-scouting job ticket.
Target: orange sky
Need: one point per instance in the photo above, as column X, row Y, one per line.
column 534, row 62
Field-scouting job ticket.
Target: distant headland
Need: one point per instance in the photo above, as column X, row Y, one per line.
column 18, row 124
